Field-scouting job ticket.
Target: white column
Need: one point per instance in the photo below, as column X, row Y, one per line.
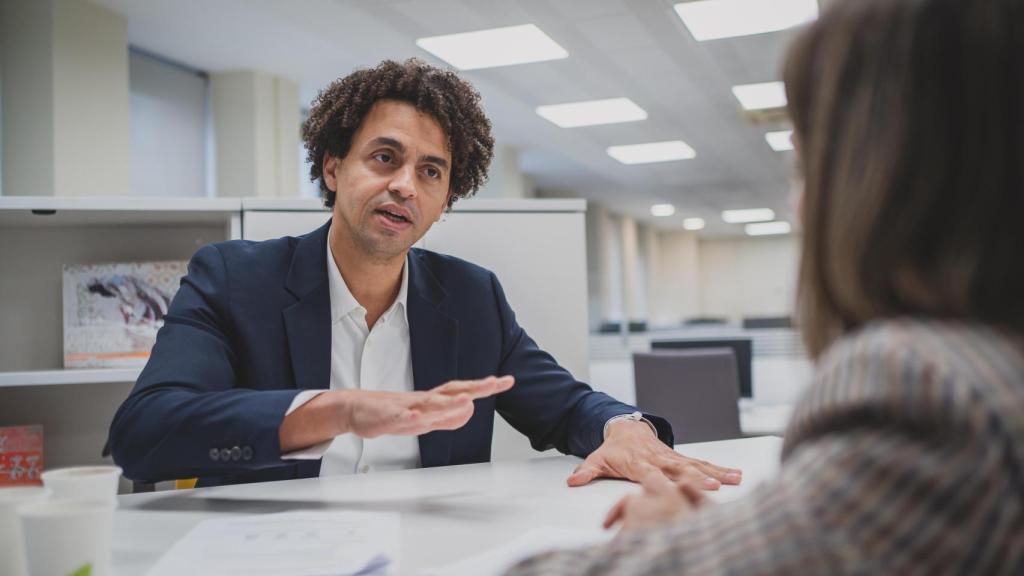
column 65, row 99
column 651, row 270
column 611, row 276
column 256, row 130
column 505, row 178
column 631, row 271
column 676, row 295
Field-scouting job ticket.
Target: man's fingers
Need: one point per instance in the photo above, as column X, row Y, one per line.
column 476, row 388
column 585, row 474
column 720, row 473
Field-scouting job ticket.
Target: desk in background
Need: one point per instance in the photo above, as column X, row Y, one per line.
column 447, row 513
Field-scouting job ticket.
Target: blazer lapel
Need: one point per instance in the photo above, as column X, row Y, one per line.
column 308, row 321
column 433, row 340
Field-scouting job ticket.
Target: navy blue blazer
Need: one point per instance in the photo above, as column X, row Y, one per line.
column 250, row 328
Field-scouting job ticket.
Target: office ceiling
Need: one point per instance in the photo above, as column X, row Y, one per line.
column 633, row 48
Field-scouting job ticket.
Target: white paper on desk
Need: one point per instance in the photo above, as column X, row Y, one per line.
column 296, row 543
column 497, row 561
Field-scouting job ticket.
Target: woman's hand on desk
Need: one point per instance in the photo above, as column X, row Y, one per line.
column 662, row 501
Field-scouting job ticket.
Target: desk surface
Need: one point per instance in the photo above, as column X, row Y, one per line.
column 447, row 513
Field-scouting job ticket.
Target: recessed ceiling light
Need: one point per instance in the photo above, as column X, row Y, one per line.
column 494, row 47
column 693, row 224
column 652, row 152
column 663, row 210
column 768, row 228
column 592, row 112
column 780, row 141
column 713, row 19
column 761, row 96
column 748, row 215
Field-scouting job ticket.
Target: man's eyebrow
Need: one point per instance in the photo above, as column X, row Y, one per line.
column 386, row 141
column 435, row 160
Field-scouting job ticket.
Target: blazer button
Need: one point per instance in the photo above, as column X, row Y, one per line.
column 236, row 453
column 225, row 454
column 214, row 454
column 246, row 453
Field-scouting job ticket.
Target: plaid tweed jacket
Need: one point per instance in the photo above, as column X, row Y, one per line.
column 906, row 456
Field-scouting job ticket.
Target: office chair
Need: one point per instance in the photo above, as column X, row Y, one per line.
column 697, row 391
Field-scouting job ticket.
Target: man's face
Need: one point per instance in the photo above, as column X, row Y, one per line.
column 393, row 183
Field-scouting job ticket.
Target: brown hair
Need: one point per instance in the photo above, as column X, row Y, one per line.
column 909, row 123
column 339, row 110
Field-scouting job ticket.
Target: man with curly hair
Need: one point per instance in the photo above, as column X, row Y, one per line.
column 346, row 350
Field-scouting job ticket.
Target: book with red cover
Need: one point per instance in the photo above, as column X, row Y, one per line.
column 21, row 455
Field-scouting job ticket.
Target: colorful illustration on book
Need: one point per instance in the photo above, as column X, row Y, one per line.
column 21, row 455
column 112, row 312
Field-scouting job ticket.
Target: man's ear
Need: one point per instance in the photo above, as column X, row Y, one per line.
column 330, row 165
column 444, row 210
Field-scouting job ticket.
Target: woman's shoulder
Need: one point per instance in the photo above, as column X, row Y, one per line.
column 969, row 350
column 922, row 374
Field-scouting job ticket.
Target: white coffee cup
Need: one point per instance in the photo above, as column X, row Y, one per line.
column 64, row 537
column 83, row 483
column 12, row 555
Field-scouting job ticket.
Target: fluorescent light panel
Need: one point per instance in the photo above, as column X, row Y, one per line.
column 748, row 215
column 713, row 19
column 592, row 112
column 761, row 96
column 652, row 152
column 662, row 210
column 494, row 47
column 693, row 224
column 768, row 228
column 780, row 141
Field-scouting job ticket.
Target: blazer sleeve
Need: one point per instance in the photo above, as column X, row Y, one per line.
column 892, row 468
column 547, row 404
column 186, row 415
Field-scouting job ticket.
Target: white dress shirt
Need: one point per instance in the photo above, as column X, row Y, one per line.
column 364, row 359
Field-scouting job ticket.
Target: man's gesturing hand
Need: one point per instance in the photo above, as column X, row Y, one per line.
column 447, row 407
column 369, row 414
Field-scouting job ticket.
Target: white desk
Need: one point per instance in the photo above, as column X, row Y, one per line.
column 760, row 419
column 447, row 513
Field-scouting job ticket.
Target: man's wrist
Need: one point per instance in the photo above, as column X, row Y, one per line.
column 628, row 422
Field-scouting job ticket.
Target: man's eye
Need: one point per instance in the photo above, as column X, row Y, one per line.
column 433, row 173
column 383, row 157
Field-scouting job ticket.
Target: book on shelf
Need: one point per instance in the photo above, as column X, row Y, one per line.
column 21, row 455
column 112, row 312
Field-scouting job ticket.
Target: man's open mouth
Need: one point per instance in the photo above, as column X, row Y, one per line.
column 393, row 216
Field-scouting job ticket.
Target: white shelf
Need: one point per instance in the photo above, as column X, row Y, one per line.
column 70, row 376
column 36, row 211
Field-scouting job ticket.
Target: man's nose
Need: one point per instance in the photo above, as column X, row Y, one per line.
column 403, row 182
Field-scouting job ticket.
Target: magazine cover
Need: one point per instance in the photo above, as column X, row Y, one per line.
column 112, row 311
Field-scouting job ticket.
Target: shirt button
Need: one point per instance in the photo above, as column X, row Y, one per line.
column 225, row 454
column 236, row 453
column 247, row 453
column 214, row 454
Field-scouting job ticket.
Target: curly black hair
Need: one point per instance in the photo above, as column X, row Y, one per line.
column 339, row 110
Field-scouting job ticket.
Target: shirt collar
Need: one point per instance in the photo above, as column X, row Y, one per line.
column 344, row 303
